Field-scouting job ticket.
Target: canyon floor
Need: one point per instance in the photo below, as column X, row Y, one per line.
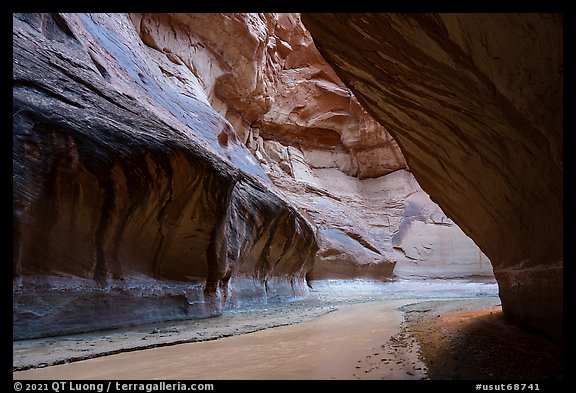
column 343, row 330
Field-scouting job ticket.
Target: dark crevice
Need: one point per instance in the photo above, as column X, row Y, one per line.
column 363, row 242
column 63, row 25
column 101, row 69
column 217, row 250
column 263, row 266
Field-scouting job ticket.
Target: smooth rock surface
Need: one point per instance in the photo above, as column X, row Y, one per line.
column 475, row 103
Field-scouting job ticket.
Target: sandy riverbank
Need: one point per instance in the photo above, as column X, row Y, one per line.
column 49, row 351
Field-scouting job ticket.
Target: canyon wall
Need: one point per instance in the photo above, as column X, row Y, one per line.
column 168, row 166
column 133, row 199
column 308, row 132
column 475, row 103
column 429, row 245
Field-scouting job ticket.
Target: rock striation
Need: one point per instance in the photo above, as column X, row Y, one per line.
column 305, row 129
column 475, row 103
column 169, row 166
column 133, row 199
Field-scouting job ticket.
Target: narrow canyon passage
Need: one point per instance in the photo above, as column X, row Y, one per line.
column 333, row 346
column 294, row 188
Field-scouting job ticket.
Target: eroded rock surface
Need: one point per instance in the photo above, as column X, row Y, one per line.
column 304, row 128
column 169, row 165
column 292, row 112
column 430, row 245
column 133, row 200
column 475, row 103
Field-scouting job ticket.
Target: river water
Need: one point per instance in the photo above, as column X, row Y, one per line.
column 352, row 342
column 353, row 290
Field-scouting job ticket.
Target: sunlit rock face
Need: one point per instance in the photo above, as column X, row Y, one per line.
column 290, row 109
column 169, row 166
column 305, row 129
column 475, row 103
column 430, row 245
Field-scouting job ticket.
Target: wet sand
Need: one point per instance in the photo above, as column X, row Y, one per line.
column 358, row 341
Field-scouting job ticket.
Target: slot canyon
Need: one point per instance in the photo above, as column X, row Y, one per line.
column 372, row 193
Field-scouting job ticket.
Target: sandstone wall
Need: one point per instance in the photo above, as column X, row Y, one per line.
column 475, row 103
column 306, row 130
column 133, row 200
column 170, row 165
column 428, row 244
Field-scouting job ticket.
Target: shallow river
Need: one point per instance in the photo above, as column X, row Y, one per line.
column 353, row 342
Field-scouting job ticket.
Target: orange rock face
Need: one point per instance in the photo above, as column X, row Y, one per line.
column 305, row 129
column 172, row 165
column 267, row 78
column 475, row 102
